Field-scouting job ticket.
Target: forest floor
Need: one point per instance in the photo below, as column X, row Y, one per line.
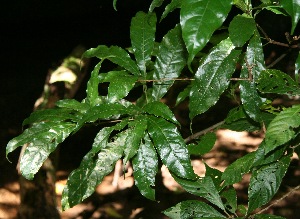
column 125, row 201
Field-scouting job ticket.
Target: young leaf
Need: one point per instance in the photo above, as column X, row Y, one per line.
column 135, row 135
column 192, row 209
column 43, row 139
column 203, row 187
column 170, row 147
column 169, row 62
column 277, row 82
column 234, row 172
column 265, row 182
column 212, row 77
column 160, row 109
column 282, row 128
column 120, row 83
column 292, row 7
column 230, row 199
column 205, row 144
column 142, row 35
column 171, row 7
column 241, row 29
column 116, row 55
column 254, row 65
column 199, row 19
column 82, row 181
column 92, row 86
column 73, row 104
column 145, row 166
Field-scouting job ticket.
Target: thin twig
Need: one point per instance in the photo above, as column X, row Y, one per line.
column 203, row 132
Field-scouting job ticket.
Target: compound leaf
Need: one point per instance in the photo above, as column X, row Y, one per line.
column 192, row 209
column 170, row 147
column 212, row 77
column 199, row 19
column 142, row 35
column 265, row 182
column 169, row 62
column 145, row 166
column 292, row 7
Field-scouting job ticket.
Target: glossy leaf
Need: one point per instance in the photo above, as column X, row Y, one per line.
column 192, row 209
column 73, row 104
column 170, row 147
column 183, row 94
column 230, row 199
column 199, row 19
column 282, row 128
column 241, row 29
column 205, row 144
column 145, row 166
column 92, row 86
column 174, row 4
column 235, row 171
column 116, row 55
column 216, row 176
column 277, row 82
column 142, row 35
column 252, row 69
column 169, row 62
column 43, row 139
column 120, row 83
column 135, row 134
column 242, row 4
column 160, row 109
column 265, row 182
column 292, row 7
column 212, row 77
column 203, row 187
column 297, row 69
column 261, row 158
column 155, row 4
column 83, row 181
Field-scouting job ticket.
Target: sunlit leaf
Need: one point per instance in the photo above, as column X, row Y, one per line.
column 43, row 139
column 292, row 7
column 199, row 19
column 142, row 35
column 277, row 82
column 203, row 187
column 145, row 166
column 265, row 182
column 116, row 55
column 241, row 29
column 120, row 83
column 170, row 147
column 212, row 77
column 192, row 209
column 282, row 128
column 169, row 62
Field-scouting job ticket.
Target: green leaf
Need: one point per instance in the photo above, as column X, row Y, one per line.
column 169, row 62
column 174, row 4
column 155, row 4
column 183, row 94
column 83, row 181
column 235, row 171
column 205, row 144
column 216, row 176
column 43, row 139
column 170, row 147
column 52, row 115
column 203, row 187
column 242, row 4
column 199, row 20
column 115, row 4
column 278, row 82
column 292, row 7
column 282, row 128
column 142, row 35
column 297, row 69
column 254, row 65
column 265, row 182
column 145, row 166
column 267, row 216
column 230, row 199
column 135, row 134
column 212, row 77
column 192, row 209
column 160, row 109
column 120, row 83
column 241, row 28
column 261, row 158
column 92, row 86
column 116, row 55
column 103, row 111
column 73, row 104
